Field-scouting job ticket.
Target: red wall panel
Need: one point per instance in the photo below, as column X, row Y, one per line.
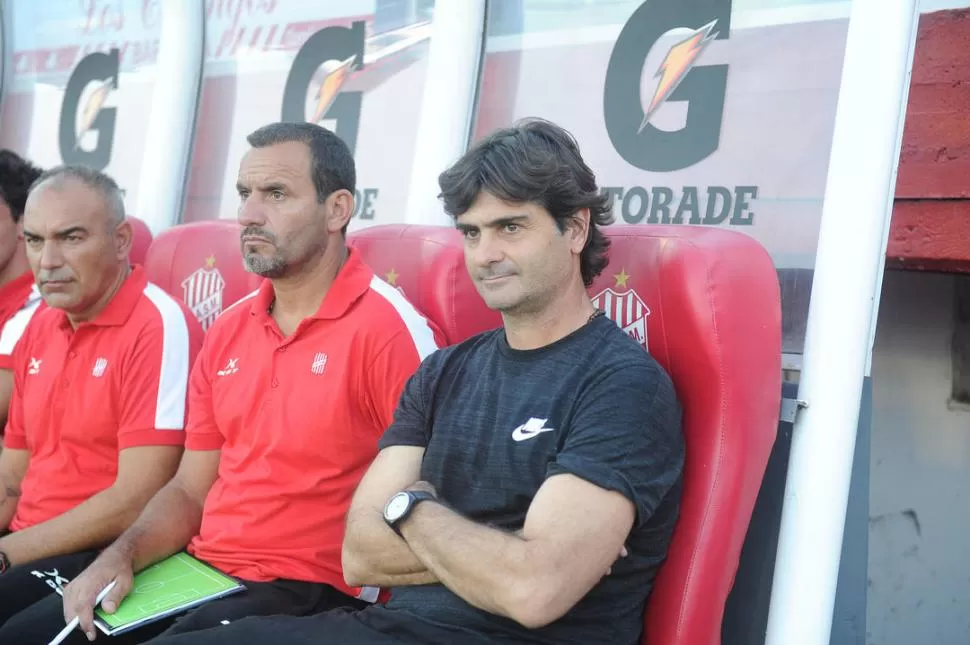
column 931, row 219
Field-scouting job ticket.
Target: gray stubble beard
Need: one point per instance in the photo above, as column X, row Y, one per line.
column 273, row 267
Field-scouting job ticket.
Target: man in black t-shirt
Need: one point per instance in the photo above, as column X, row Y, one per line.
column 528, row 487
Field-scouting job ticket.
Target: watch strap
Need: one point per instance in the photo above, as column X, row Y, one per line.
column 417, row 496
column 422, row 496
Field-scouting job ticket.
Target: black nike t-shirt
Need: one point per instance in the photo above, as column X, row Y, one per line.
column 497, row 422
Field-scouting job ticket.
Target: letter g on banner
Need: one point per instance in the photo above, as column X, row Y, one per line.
column 77, row 120
column 342, row 49
column 702, row 87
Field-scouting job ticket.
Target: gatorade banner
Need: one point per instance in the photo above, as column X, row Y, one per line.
column 709, row 112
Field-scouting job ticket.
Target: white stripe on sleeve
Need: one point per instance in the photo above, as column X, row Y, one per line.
column 173, row 378
column 17, row 324
column 417, row 325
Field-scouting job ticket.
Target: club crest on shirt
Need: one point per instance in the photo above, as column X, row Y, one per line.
column 202, row 292
column 319, row 363
column 100, row 365
column 624, row 306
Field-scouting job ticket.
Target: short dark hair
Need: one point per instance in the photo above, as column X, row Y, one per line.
column 534, row 161
column 16, row 177
column 332, row 164
column 98, row 181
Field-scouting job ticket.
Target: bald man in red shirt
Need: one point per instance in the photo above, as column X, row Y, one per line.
column 97, row 417
column 290, row 395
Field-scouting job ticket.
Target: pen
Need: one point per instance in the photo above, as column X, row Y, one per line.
column 76, row 621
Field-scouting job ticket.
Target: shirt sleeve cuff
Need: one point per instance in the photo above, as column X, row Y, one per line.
column 6, row 362
column 595, row 473
column 150, row 437
column 416, row 443
column 15, row 441
column 204, row 441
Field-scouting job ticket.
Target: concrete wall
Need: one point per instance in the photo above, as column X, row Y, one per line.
column 919, row 506
column 919, row 567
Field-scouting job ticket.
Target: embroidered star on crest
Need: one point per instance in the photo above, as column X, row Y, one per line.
column 621, row 279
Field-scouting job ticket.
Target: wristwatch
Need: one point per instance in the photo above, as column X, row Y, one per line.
column 401, row 504
column 4, row 562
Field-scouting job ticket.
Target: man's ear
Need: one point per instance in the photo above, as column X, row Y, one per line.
column 124, row 234
column 578, row 230
column 340, row 210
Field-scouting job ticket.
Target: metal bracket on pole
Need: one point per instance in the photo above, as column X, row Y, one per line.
column 790, row 408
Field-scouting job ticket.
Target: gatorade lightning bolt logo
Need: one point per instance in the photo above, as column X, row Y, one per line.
column 92, row 108
column 325, row 64
column 680, row 59
column 698, row 86
column 336, row 73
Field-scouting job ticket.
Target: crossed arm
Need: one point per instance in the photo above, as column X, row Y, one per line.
column 372, row 553
column 572, row 534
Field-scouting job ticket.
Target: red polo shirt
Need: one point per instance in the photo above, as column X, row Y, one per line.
column 298, row 420
column 80, row 396
column 19, row 300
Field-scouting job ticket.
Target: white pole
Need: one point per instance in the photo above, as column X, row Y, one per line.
column 448, row 103
column 168, row 142
column 891, row 195
column 852, row 243
column 6, row 56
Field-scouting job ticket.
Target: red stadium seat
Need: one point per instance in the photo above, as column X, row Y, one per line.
column 201, row 263
column 140, row 241
column 427, row 264
column 706, row 304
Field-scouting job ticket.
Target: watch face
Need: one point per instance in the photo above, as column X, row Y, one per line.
column 396, row 507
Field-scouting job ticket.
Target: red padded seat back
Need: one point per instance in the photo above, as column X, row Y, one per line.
column 427, row 264
column 140, row 241
column 201, row 264
column 706, row 303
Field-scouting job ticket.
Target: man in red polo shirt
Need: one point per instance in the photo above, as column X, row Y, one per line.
column 19, row 298
column 96, row 424
column 293, row 389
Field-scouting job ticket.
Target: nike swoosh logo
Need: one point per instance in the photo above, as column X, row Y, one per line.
column 521, row 434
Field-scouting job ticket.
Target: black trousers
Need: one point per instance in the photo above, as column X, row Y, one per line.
column 39, row 620
column 22, row 586
column 373, row 626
